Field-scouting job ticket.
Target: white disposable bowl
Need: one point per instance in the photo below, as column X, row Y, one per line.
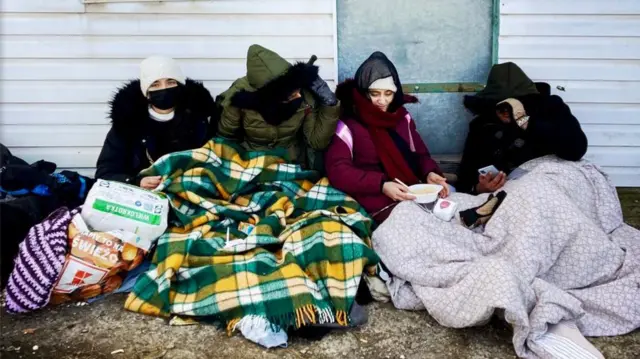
column 425, row 193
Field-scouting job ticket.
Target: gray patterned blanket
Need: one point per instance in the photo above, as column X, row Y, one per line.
column 556, row 249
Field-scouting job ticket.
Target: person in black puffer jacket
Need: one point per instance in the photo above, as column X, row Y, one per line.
column 516, row 121
column 161, row 113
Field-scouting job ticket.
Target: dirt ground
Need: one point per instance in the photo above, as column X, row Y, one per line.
column 630, row 200
column 95, row 331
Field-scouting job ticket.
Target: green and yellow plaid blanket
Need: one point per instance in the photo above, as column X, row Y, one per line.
column 301, row 263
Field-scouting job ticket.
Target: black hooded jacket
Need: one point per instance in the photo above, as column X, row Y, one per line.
column 552, row 128
column 135, row 140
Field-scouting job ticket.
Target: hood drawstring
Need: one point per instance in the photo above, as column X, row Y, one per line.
column 411, row 144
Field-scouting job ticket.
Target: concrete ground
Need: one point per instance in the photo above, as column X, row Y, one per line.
column 95, row 331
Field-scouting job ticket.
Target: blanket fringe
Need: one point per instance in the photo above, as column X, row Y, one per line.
column 326, row 316
column 305, row 315
column 311, row 313
column 232, row 325
column 342, row 318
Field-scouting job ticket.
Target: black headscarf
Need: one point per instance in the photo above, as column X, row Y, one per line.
column 376, row 67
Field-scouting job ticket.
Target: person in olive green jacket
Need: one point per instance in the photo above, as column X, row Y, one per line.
column 279, row 105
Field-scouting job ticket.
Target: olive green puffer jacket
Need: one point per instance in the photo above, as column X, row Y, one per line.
column 310, row 128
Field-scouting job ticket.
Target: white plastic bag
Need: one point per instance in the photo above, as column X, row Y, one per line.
column 114, row 206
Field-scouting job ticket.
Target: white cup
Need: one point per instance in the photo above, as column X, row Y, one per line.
column 445, row 209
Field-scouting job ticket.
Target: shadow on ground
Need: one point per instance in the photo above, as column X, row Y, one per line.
column 96, row 330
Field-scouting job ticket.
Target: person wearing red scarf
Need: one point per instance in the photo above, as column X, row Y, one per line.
column 377, row 142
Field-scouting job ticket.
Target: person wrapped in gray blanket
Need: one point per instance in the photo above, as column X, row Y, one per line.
column 555, row 258
column 516, row 120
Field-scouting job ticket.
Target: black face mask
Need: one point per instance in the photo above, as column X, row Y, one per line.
column 164, row 99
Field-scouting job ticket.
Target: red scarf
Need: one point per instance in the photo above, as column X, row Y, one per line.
column 378, row 123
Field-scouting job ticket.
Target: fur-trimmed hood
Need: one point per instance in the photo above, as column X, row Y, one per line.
column 129, row 108
column 272, row 79
column 299, row 76
column 344, row 92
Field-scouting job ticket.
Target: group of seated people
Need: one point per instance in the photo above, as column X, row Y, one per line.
column 362, row 136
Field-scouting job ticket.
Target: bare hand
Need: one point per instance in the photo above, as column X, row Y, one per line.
column 397, row 192
column 487, row 183
column 150, row 182
column 434, row 178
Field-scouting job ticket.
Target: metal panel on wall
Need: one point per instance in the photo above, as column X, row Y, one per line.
column 429, row 41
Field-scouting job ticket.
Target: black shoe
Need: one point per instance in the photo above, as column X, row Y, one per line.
column 479, row 216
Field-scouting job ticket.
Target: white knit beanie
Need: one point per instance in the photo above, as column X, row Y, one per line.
column 384, row 84
column 155, row 68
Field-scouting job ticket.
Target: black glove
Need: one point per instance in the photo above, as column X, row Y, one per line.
column 320, row 88
column 322, row 91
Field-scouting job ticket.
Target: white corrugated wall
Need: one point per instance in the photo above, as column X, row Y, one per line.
column 591, row 48
column 61, row 60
